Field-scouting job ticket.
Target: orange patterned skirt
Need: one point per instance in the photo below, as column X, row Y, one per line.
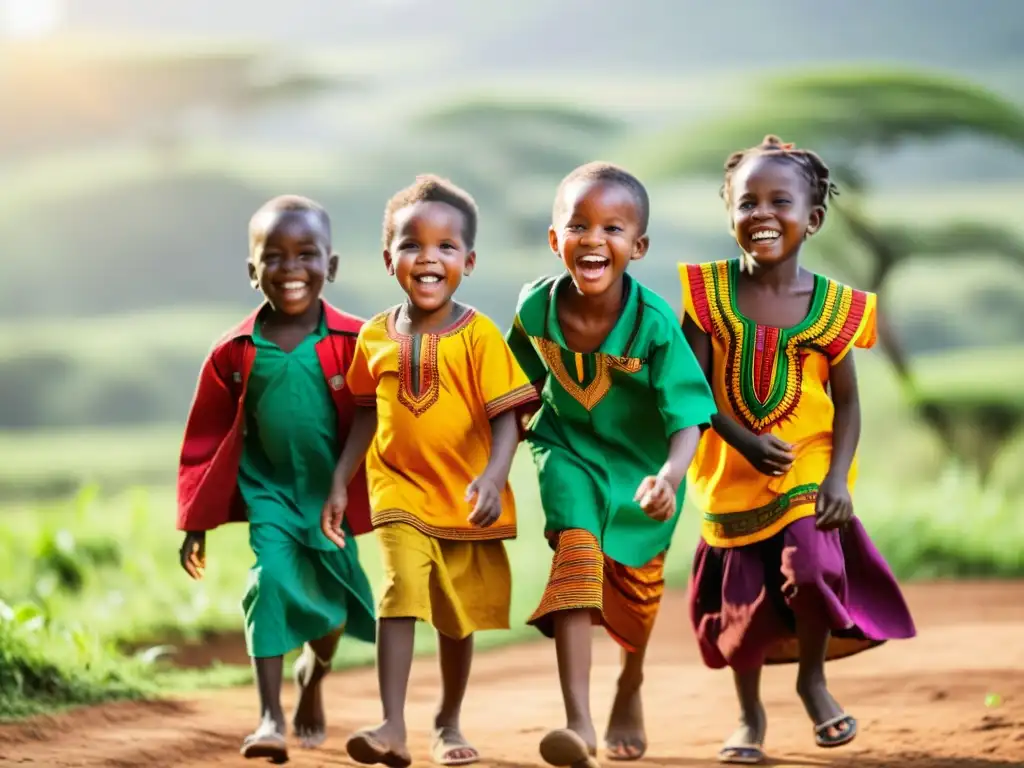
column 622, row 599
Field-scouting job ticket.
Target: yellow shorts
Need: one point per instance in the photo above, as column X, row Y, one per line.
column 459, row 587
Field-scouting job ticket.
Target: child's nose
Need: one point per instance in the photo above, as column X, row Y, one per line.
column 592, row 237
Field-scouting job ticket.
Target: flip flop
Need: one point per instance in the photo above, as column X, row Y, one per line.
column 365, row 748
column 567, row 749
column 741, row 754
column 823, row 740
column 640, row 745
column 441, row 749
column 269, row 746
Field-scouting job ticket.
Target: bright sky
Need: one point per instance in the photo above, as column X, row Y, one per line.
column 31, row 18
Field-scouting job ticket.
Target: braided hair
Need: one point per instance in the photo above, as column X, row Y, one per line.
column 810, row 164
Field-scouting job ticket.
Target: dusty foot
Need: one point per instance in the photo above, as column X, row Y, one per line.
column 383, row 745
column 746, row 745
column 832, row 727
column 267, row 742
column 568, row 747
column 309, row 720
column 625, row 738
column 450, row 747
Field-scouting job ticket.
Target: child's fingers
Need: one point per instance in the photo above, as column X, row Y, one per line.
column 643, row 490
column 472, row 490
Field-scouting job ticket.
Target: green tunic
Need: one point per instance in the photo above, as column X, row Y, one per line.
column 606, row 417
column 302, row 586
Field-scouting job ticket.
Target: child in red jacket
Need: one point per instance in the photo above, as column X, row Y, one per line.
column 269, row 418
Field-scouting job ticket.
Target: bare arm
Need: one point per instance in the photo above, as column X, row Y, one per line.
column 681, row 448
column 364, row 426
column 846, row 421
column 504, row 441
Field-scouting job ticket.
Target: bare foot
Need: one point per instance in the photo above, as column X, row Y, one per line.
column 625, row 738
column 746, row 744
column 309, row 720
column 383, row 745
column 267, row 742
column 450, row 747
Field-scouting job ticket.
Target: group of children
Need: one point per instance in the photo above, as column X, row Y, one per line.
column 316, row 427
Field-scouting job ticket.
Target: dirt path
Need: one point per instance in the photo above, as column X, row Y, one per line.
column 920, row 703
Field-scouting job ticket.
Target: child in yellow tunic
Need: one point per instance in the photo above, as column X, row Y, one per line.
column 438, row 387
column 784, row 572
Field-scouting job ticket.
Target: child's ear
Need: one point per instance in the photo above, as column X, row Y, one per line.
column 643, row 243
column 816, row 220
column 553, row 239
column 254, row 279
column 388, row 263
column 332, row 267
column 470, row 264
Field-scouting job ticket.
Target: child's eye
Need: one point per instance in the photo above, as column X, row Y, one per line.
column 574, row 227
column 613, row 229
column 447, row 247
column 406, row 246
column 781, row 201
column 310, row 254
column 746, row 206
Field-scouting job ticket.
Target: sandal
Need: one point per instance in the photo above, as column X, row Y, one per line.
column 270, row 746
column 442, row 749
column 845, row 736
column 742, row 754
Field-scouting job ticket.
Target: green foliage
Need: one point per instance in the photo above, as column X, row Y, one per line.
column 839, row 110
column 46, row 666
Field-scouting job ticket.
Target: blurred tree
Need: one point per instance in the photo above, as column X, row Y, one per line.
column 847, row 114
column 68, row 94
column 506, row 150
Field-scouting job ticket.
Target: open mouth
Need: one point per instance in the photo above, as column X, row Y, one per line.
column 427, row 279
column 294, row 290
column 592, row 267
column 765, row 236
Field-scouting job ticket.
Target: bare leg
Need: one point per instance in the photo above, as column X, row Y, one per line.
column 625, row 738
column 387, row 742
column 812, row 687
column 578, row 741
column 450, row 746
column 746, row 743
column 268, row 740
column 309, row 720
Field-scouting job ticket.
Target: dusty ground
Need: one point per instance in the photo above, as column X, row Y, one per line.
column 920, row 703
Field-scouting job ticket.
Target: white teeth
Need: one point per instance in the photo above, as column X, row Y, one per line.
column 594, row 260
column 767, row 234
column 429, row 279
column 293, row 286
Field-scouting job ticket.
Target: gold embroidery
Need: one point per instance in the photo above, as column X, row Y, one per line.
column 594, row 392
column 386, row 516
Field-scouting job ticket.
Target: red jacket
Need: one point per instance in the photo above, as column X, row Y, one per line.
column 208, row 494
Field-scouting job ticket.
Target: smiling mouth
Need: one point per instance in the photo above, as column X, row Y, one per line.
column 766, row 236
column 294, row 289
column 592, row 267
column 427, row 279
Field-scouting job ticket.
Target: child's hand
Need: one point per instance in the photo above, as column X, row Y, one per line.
column 192, row 554
column 488, row 502
column 834, row 507
column 334, row 515
column 768, row 454
column 657, row 498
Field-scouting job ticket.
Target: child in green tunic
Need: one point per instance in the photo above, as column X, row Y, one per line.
column 303, row 590
column 623, row 402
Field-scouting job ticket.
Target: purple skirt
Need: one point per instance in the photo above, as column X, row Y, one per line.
column 745, row 601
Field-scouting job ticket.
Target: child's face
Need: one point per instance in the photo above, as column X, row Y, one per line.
column 428, row 254
column 598, row 235
column 290, row 257
column 771, row 209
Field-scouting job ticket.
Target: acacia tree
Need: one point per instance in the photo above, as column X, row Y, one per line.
column 851, row 114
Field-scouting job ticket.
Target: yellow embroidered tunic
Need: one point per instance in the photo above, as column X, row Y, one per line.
column 770, row 380
column 435, row 394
